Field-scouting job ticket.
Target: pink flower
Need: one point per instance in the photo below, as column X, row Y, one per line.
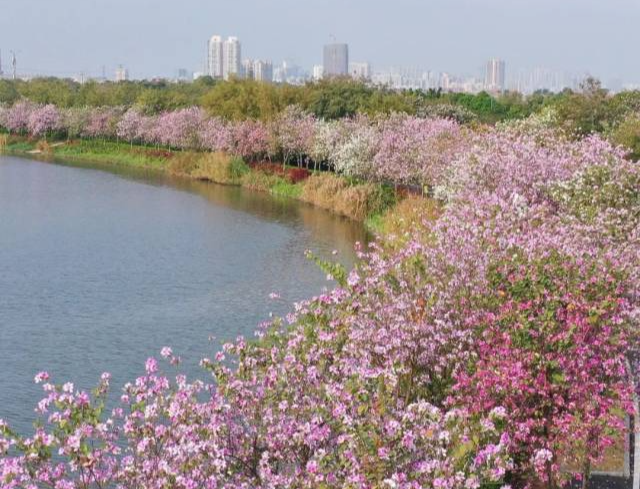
column 41, row 377
column 151, row 365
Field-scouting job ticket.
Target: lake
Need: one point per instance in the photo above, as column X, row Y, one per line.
column 100, row 268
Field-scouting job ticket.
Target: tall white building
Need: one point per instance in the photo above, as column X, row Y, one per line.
column 263, row 71
column 494, row 79
column 318, row 72
column 215, row 57
column 224, row 57
column 247, row 69
column 231, row 54
column 445, row 81
column 122, row 74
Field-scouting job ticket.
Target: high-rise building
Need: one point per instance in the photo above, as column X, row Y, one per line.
column 122, row 74
column 318, row 72
column 247, row 69
column 360, row 71
column 494, row 79
column 336, row 60
column 231, row 53
column 445, row 81
column 223, row 57
column 215, row 57
column 183, row 75
column 263, row 71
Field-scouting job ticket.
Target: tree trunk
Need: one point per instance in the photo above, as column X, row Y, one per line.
column 586, row 473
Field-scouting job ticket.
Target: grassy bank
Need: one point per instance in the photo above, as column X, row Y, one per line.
column 365, row 202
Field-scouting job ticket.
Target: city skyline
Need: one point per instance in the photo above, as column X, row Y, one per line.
column 78, row 34
column 224, row 60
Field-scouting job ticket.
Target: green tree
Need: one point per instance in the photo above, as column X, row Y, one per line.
column 587, row 111
column 8, row 92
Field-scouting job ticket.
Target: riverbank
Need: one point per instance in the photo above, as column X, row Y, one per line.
column 370, row 203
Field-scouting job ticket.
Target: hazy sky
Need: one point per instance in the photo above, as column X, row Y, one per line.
column 156, row 37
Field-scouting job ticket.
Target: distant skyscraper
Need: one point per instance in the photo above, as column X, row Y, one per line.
column 336, row 60
column 445, row 81
column 318, row 72
column 495, row 75
column 215, row 57
column 247, row 69
column 231, row 53
column 263, row 71
column 122, row 74
column 360, row 71
column 183, row 75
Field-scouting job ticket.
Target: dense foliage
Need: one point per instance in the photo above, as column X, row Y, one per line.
column 588, row 109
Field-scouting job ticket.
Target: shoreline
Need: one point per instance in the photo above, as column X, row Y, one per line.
column 365, row 203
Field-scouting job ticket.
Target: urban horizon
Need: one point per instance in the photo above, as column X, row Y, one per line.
column 406, row 39
column 501, row 77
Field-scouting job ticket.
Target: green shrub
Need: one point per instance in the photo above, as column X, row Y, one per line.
column 238, row 168
column 627, row 134
column 283, row 188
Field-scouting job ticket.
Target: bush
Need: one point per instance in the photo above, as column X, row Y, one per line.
column 627, row 134
column 183, row 164
column 406, row 217
column 259, row 181
column 354, row 200
column 296, row 175
column 322, row 190
column 284, row 188
column 238, row 168
column 458, row 113
column 215, row 167
column 44, row 147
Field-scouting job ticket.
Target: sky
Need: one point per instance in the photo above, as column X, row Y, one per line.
column 157, row 37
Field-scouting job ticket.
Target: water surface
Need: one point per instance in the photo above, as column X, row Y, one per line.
column 100, row 269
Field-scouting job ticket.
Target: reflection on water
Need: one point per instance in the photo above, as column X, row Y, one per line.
column 321, row 224
column 100, row 269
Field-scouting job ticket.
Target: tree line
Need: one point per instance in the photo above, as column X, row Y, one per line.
column 589, row 109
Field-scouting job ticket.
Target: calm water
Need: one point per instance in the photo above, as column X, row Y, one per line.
column 100, row 269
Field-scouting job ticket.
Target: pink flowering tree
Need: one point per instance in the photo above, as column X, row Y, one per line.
column 43, row 120
column 247, row 431
column 293, row 133
column 215, row 135
column 16, row 119
column 73, row 121
column 354, row 154
column 249, row 139
column 130, row 126
column 147, row 132
column 329, row 136
column 102, row 123
column 552, row 351
column 180, row 129
column 414, row 150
